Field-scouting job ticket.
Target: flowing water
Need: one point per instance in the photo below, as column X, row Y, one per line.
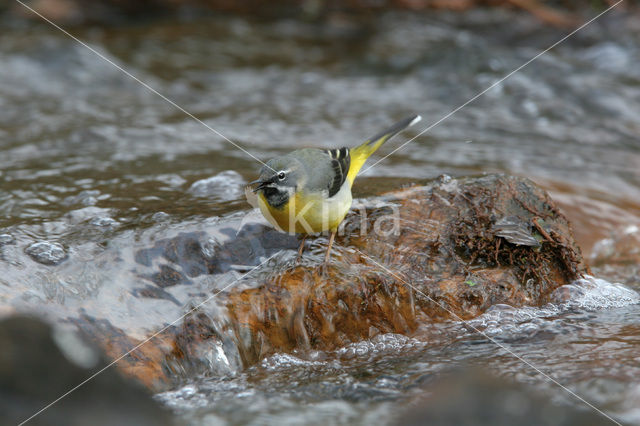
column 95, row 167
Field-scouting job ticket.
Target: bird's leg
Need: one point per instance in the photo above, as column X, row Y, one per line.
column 301, row 249
column 326, row 256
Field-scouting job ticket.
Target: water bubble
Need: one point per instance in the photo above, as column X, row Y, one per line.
column 47, row 253
column 160, row 217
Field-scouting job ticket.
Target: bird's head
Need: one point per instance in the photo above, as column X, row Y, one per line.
column 279, row 179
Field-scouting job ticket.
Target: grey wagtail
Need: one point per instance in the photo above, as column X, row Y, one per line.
column 309, row 190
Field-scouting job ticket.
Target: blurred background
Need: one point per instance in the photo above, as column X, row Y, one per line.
column 93, row 165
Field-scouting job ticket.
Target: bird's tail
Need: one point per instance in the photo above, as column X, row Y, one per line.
column 360, row 153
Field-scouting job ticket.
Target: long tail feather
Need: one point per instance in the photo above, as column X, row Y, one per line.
column 360, row 154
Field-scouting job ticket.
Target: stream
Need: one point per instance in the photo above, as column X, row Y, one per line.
column 95, row 167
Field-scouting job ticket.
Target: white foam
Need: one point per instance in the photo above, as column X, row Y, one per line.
column 283, row 360
column 588, row 293
column 380, row 344
column 595, row 293
column 188, row 397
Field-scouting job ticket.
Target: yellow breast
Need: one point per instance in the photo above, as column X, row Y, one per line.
column 309, row 213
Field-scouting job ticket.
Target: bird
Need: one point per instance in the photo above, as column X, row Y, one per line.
column 308, row 191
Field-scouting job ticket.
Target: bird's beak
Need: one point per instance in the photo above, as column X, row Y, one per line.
column 261, row 185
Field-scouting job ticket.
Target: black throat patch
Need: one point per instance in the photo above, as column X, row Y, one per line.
column 276, row 197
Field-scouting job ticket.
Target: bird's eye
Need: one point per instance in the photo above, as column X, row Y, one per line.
column 281, row 175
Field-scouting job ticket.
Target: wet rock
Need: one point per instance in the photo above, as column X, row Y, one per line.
column 168, row 277
column 152, row 292
column 194, row 254
column 186, row 255
column 145, row 364
column 225, row 186
column 446, row 259
column 47, row 253
column 472, row 397
column 34, row 372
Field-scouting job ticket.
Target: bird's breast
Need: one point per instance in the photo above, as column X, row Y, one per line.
column 308, row 212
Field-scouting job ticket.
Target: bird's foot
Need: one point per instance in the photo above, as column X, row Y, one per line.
column 300, row 250
column 324, row 270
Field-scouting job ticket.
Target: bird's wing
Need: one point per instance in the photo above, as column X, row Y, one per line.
column 340, row 162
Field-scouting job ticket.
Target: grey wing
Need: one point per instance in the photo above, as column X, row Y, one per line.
column 340, row 162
